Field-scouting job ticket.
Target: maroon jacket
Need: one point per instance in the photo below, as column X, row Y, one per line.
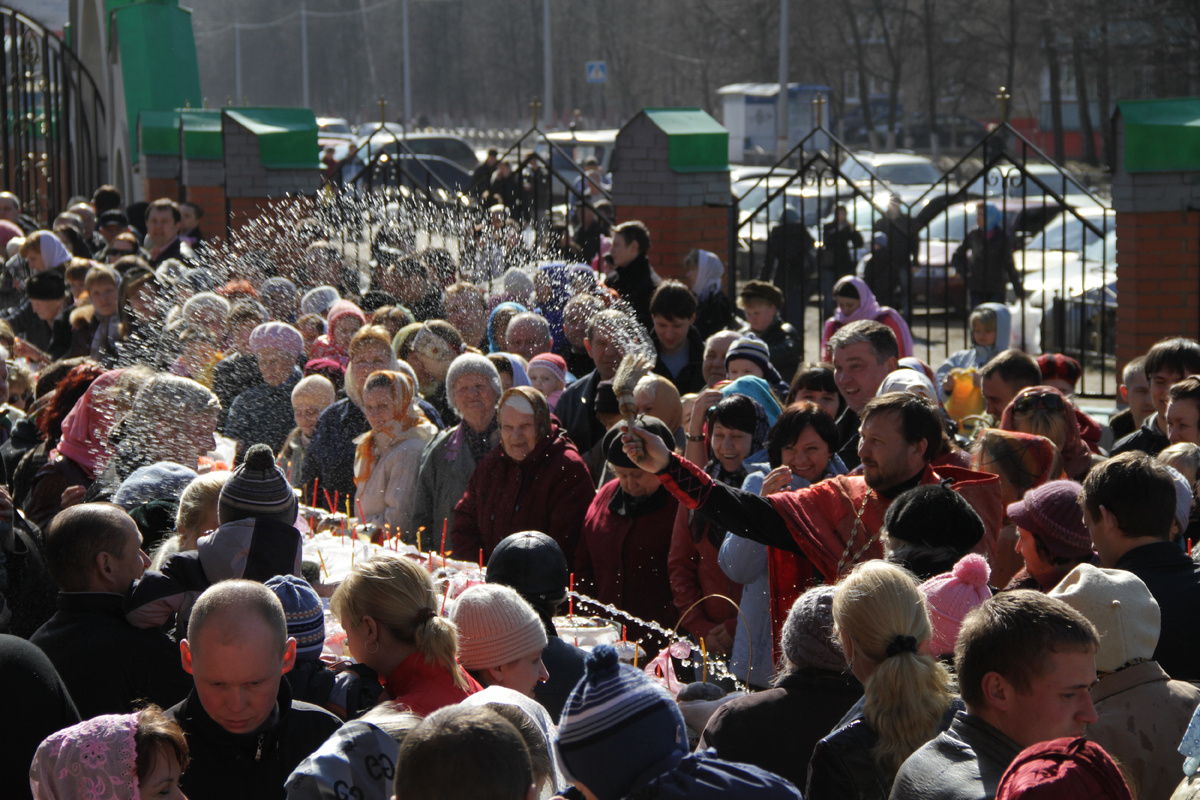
column 695, row 571
column 549, row 492
column 623, row 558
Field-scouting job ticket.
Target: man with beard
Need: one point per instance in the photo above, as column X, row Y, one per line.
column 838, row 522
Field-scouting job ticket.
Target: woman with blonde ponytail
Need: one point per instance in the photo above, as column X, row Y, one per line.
column 389, row 610
column 883, row 626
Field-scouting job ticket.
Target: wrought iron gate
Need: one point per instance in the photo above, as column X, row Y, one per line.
column 54, row 119
column 1061, row 236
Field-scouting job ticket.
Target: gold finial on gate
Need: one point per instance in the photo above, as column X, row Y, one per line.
column 382, row 110
column 819, row 101
column 1003, row 96
column 536, row 105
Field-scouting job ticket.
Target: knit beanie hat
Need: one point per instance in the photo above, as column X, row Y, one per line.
column 319, row 300
column 614, row 449
column 1063, row 769
column 471, row 363
column 305, row 615
column 951, row 596
column 496, row 626
column 277, row 335
column 1183, row 498
column 1052, row 513
column 936, row 516
column 162, row 481
column 257, row 489
column 555, row 363
column 532, row 563
column 807, row 639
column 1125, row 614
column 753, row 349
column 617, row 723
column 344, row 308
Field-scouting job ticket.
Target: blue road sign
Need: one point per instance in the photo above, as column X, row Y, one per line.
column 597, row 72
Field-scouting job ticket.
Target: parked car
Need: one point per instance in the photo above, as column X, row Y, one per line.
column 442, row 145
column 1050, row 251
column 438, row 176
column 1033, row 180
column 894, row 169
column 332, row 131
column 1080, row 303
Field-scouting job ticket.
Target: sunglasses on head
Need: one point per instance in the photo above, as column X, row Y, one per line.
column 1030, row 402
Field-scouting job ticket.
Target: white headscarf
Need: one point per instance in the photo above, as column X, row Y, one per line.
column 909, row 380
column 709, row 271
column 54, row 252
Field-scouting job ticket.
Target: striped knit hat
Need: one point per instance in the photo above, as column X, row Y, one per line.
column 257, row 489
column 305, row 615
column 616, row 725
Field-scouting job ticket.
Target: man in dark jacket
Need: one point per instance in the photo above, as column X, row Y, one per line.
column 608, row 336
column 163, row 220
column 1024, row 662
column 902, row 242
column 1167, row 363
column 94, row 552
column 786, row 263
column 534, row 565
column 1129, row 505
column 634, row 281
column 680, row 346
column 244, row 731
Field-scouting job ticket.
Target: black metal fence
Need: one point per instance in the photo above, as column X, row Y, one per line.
column 51, row 147
column 1003, row 224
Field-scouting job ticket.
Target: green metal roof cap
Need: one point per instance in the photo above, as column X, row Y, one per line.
column 202, row 134
column 696, row 141
column 1161, row 135
column 159, row 133
column 287, row 137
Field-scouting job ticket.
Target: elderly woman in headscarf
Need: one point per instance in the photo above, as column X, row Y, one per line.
column 705, row 276
column 985, row 259
column 434, row 348
column 498, row 324
column 536, row 480
column 172, row 419
column 1022, row 461
column 387, row 456
column 472, row 388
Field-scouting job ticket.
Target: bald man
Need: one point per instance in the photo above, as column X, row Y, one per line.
column 245, row 732
column 94, row 552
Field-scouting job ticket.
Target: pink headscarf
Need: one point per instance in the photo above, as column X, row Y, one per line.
column 96, row 759
column 86, row 427
column 869, row 308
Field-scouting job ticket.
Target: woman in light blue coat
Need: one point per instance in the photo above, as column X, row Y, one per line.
column 801, row 451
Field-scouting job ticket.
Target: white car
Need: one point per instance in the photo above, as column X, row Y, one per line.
column 1060, row 243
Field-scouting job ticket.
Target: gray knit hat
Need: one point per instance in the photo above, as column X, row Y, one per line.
column 257, row 489
column 468, row 363
column 808, row 638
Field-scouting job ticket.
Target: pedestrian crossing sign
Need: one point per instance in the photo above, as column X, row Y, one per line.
column 597, row 72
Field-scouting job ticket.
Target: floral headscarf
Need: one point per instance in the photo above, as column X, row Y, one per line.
column 1076, row 457
column 96, row 759
column 408, row 415
column 1021, row 460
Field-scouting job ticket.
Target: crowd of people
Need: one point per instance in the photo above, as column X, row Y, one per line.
column 905, row 611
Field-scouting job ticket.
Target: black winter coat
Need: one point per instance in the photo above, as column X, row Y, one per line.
column 634, row 283
column 1173, row 578
column 254, row 766
column 106, row 663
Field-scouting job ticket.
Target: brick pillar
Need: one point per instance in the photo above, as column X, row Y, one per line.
column 160, row 176
column 1158, row 255
column 682, row 210
column 251, row 188
column 203, row 181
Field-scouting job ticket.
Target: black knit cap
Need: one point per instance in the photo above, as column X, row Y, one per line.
column 936, row 516
column 531, row 563
column 257, row 489
column 614, row 450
